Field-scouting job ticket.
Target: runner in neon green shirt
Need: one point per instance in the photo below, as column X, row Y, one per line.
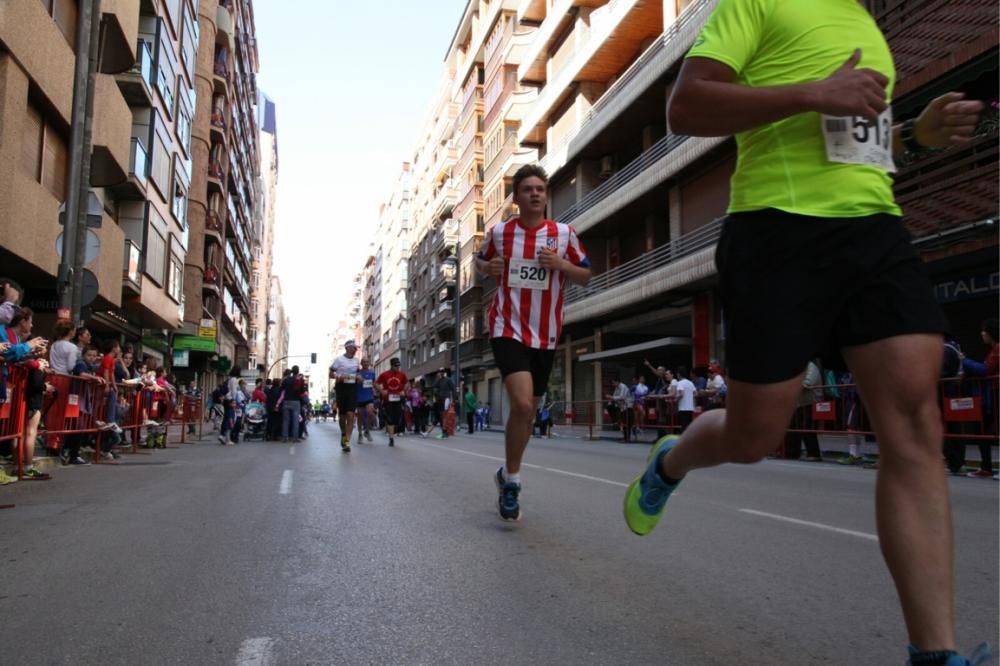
column 814, row 261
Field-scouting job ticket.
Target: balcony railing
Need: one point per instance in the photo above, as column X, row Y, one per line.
column 215, row 170
column 623, row 177
column 138, row 161
column 213, row 222
column 500, row 159
column 689, row 243
column 697, row 11
column 132, row 266
column 144, row 63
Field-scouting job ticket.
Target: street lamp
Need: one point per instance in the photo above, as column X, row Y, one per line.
column 455, row 263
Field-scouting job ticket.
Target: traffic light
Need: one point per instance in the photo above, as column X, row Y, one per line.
column 313, row 358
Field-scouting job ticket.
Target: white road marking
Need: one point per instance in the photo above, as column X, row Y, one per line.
column 256, row 652
column 807, row 523
column 546, row 469
column 292, row 450
column 286, row 482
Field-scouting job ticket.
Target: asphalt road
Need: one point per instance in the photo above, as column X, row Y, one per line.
column 299, row 554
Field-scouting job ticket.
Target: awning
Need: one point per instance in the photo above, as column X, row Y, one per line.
column 642, row 346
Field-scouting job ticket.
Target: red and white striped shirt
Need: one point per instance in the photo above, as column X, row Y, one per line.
column 530, row 314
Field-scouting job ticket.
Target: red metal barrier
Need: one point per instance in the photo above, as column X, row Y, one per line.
column 968, row 411
column 12, row 412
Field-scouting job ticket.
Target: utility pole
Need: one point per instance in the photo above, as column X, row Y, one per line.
column 79, row 255
column 458, row 326
column 77, row 149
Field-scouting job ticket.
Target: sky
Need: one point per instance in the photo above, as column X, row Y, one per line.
column 352, row 83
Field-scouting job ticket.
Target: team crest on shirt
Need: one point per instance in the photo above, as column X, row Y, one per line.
column 552, row 243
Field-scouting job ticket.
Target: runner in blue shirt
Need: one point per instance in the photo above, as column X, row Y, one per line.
column 366, row 399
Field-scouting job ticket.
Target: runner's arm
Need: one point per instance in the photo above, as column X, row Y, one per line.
column 708, row 101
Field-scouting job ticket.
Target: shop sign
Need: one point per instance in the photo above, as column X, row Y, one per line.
column 157, row 343
column 193, row 343
column 973, row 286
column 182, row 358
column 208, row 328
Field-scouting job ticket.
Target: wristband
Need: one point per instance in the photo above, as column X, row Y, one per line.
column 908, row 134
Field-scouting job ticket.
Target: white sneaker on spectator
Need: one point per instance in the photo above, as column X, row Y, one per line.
column 107, row 455
column 150, row 423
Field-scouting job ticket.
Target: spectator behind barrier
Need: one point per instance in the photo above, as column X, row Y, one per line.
column 63, row 354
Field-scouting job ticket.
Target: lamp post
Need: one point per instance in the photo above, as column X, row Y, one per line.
column 455, row 262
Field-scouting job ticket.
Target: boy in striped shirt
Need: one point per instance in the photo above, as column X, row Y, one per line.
column 531, row 257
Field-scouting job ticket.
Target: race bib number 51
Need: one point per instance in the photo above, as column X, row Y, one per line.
column 856, row 140
column 527, row 274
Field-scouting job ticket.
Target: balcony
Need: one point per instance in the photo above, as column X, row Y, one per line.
column 220, row 78
column 616, row 31
column 134, row 187
column 443, row 318
column 216, row 177
column 225, row 22
column 110, row 156
column 648, row 68
column 212, row 279
column 472, row 196
column 120, row 24
column 137, row 83
column 497, row 164
column 217, row 127
column 132, row 269
column 673, row 265
column 534, row 58
column 667, row 157
column 213, row 226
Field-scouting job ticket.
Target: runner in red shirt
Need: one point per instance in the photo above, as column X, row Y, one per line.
column 391, row 384
column 532, row 257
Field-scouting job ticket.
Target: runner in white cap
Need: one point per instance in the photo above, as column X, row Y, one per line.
column 344, row 370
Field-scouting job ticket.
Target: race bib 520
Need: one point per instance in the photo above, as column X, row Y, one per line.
column 527, row 274
column 856, row 140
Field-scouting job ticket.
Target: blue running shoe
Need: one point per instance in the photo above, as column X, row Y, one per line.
column 507, row 500
column 983, row 654
column 646, row 496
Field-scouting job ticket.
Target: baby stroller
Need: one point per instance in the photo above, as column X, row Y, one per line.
column 256, row 421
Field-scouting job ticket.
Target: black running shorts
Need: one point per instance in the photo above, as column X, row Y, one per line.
column 513, row 356
column 797, row 287
column 393, row 412
column 347, row 397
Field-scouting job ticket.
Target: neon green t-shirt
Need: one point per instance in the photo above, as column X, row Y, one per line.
column 784, row 165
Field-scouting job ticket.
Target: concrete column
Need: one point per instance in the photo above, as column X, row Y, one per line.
column 674, row 206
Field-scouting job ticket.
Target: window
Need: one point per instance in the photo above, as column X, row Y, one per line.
column 64, row 13
column 166, row 68
column 175, row 274
column 179, row 198
column 189, row 41
column 156, row 247
column 184, row 113
column 44, row 152
column 159, row 171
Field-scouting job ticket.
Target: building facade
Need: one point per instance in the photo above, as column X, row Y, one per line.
column 223, row 210
column 140, row 165
column 582, row 87
column 263, row 261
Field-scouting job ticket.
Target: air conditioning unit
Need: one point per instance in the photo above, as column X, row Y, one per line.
column 607, row 166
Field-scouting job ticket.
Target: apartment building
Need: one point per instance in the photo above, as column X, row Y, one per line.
column 370, row 281
column 263, row 261
column 647, row 203
column 395, row 222
column 582, row 87
column 140, row 162
column 278, row 330
column 223, row 209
